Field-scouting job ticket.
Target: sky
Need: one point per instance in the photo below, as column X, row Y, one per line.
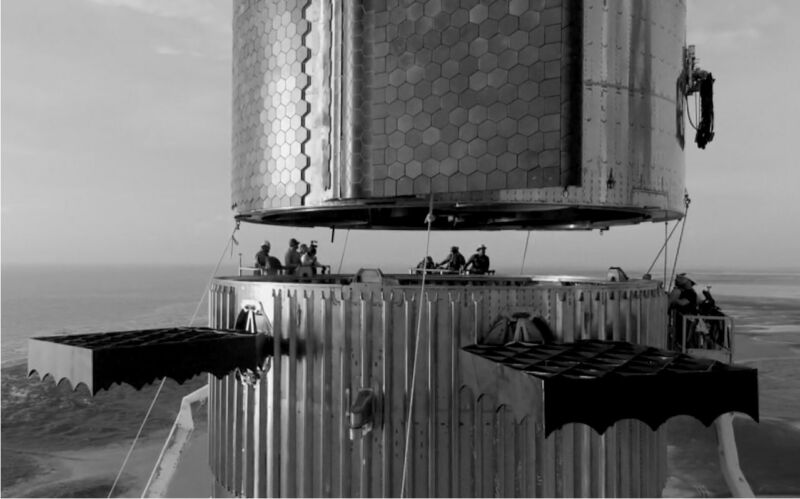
column 116, row 119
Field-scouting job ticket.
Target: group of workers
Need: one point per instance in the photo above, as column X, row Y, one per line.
column 478, row 263
column 702, row 330
column 299, row 259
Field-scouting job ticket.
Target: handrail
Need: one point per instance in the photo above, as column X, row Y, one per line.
column 722, row 339
column 418, row 270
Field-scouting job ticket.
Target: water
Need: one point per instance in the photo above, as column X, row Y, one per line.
column 44, row 301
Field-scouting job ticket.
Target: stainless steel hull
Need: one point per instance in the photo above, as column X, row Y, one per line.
column 472, row 435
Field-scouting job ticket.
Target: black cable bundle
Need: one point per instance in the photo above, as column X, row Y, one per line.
column 705, row 130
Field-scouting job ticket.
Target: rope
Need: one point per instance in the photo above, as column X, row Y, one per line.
column 161, row 385
column 525, row 253
column 409, row 423
column 687, row 201
column 344, row 250
column 662, row 249
column 666, row 240
column 214, row 272
column 136, row 438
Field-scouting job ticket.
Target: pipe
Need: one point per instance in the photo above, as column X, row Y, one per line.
column 170, row 457
column 729, row 457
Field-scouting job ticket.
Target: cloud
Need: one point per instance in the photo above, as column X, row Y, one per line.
column 718, row 24
column 725, row 38
column 170, row 51
column 209, row 13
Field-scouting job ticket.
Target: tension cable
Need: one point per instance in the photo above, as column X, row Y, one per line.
column 429, row 218
column 230, row 242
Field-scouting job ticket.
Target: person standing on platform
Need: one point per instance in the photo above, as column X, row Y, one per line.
column 454, row 262
column 682, row 302
column 266, row 263
column 479, row 262
column 426, row 263
column 309, row 259
column 292, row 258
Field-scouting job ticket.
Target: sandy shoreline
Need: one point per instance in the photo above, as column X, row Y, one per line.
column 87, row 472
column 62, row 443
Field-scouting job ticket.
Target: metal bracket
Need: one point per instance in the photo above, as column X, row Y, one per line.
column 364, row 412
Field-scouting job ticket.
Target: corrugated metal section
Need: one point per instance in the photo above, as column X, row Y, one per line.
column 289, row 436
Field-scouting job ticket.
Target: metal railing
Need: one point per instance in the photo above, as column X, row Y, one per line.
column 441, row 271
column 301, row 271
column 706, row 332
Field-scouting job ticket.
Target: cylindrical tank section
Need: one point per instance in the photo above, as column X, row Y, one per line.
column 514, row 113
column 289, row 434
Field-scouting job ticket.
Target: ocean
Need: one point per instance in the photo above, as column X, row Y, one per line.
column 43, row 424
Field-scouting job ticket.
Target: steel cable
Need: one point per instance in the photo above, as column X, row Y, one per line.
column 161, row 385
column 409, row 423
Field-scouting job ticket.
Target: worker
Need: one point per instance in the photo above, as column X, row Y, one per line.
column 292, row 258
column 683, row 302
column 426, row 263
column 454, row 262
column 478, row 263
column 266, row 263
column 309, row 259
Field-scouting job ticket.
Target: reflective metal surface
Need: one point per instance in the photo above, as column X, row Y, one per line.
column 475, row 431
column 355, row 113
column 101, row 360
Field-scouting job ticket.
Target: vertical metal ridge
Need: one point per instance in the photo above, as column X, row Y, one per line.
column 646, row 465
column 345, row 386
column 635, row 459
column 387, row 365
column 600, row 314
column 498, row 477
column 420, row 418
column 431, row 392
column 396, row 398
column 230, row 425
column 212, row 421
column 537, row 441
column 305, row 431
column 612, row 315
column 548, row 444
column 230, row 308
column 467, row 486
column 567, row 453
column 479, row 454
column 259, row 439
column 365, row 345
column 408, row 419
column 288, row 414
column 622, row 429
column 326, row 402
column 583, row 460
column 274, row 399
column 599, row 464
column 454, row 395
column 580, row 315
column 248, row 434
column 238, row 439
column 558, row 461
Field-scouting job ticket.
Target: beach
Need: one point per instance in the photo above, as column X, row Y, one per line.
column 60, row 443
